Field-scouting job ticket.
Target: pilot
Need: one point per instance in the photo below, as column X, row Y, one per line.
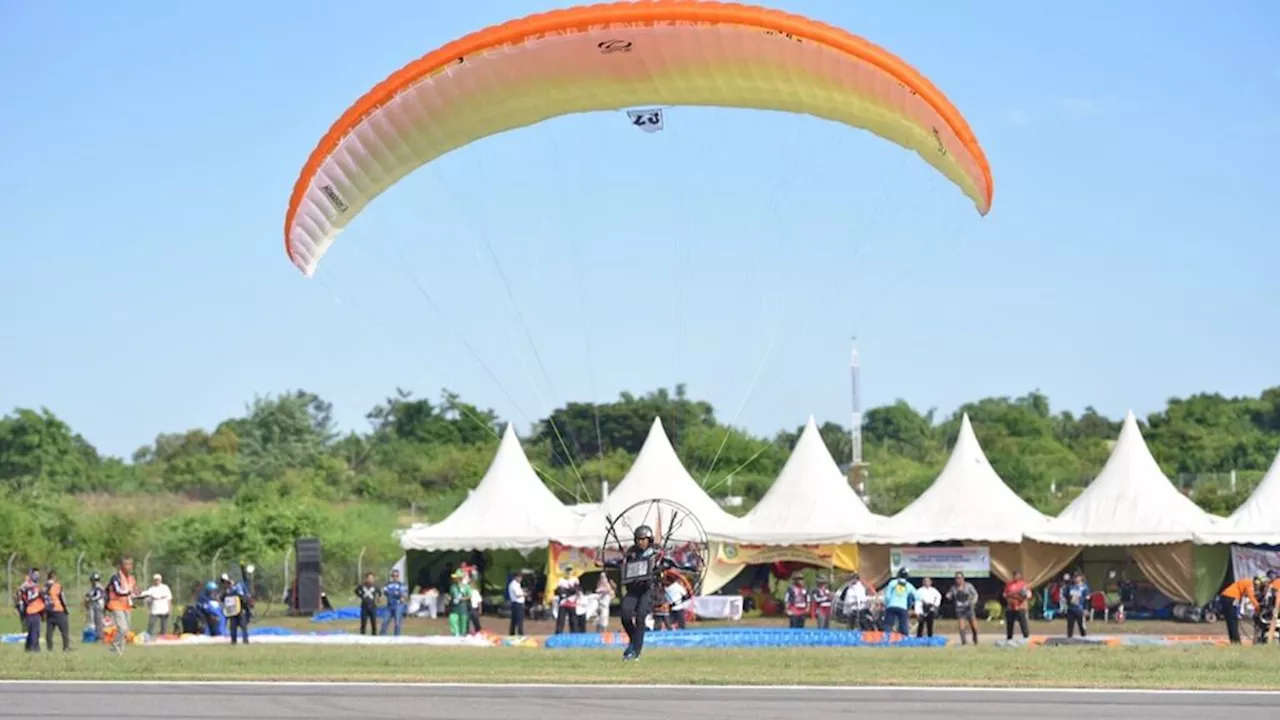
column 639, row 573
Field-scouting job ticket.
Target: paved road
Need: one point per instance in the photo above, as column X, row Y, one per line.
column 189, row 701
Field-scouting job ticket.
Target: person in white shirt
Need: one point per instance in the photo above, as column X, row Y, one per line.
column 516, row 596
column 928, row 600
column 160, row 604
column 678, row 599
column 853, row 601
column 604, row 591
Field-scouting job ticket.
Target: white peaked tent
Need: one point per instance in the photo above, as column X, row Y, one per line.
column 509, row 510
column 1256, row 522
column 1131, row 502
column 967, row 502
column 810, row 503
column 656, row 474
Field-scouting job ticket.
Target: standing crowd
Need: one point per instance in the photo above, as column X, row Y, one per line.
column 109, row 609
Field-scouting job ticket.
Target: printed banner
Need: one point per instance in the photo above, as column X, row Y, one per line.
column 844, row 557
column 974, row 562
column 565, row 561
column 1250, row 562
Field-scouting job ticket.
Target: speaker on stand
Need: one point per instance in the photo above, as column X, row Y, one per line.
column 307, row 595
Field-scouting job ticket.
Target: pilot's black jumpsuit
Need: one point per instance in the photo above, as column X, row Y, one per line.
column 637, row 603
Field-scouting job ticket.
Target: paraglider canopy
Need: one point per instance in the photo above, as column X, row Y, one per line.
column 612, row 57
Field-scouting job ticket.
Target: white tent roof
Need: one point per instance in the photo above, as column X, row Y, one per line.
column 656, row 474
column 1131, row 502
column 810, row 502
column 968, row 501
column 509, row 510
column 1257, row 521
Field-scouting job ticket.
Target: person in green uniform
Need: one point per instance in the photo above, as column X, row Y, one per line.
column 459, row 604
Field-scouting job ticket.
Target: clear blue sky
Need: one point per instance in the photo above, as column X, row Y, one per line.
column 149, row 150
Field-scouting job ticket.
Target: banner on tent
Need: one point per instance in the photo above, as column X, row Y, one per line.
column 974, row 562
column 565, row 561
column 1250, row 562
column 844, row 557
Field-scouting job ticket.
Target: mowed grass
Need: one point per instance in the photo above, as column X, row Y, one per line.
column 1134, row 667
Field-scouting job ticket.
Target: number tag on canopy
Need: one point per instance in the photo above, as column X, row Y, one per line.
column 649, row 120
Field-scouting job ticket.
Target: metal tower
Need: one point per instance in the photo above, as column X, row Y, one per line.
column 857, row 468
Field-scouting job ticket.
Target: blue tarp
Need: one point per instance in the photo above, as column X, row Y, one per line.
column 744, row 638
column 351, row 612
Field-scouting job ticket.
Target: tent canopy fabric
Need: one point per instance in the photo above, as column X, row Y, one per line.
column 656, row 474
column 1131, row 502
column 1257, row 521
column 967, row 502
column 509, row 510
column 810, row 503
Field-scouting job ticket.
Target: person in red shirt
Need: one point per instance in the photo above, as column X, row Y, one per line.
column 1016, row 596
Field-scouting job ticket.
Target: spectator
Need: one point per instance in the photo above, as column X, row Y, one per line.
column 159, row 603
column 1076, row 598
column 678, row 599
column 965, row 596
column 475, row 608
column 394, row 591
column 605, row 591
column 1016, row 595
column 928, row 600
column 566, row 604
column 516, row 596
column 95, row 602
column 853, row 596
column 899, row 595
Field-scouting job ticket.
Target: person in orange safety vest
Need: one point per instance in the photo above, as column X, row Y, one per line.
column 31, row 608
column 55, row 613
column 120, row 593
column 1237, row 591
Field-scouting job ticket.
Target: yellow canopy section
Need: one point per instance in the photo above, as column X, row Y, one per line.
column 610, row 57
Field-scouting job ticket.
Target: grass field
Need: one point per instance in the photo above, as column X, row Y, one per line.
column 1165, row 667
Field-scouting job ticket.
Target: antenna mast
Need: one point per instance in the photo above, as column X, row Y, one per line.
column 857, row 468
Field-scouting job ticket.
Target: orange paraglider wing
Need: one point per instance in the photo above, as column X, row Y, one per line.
column 611, row 57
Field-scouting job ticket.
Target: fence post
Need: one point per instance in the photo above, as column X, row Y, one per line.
column 146, row 563
column 79, row 585
column 8, row 573
column 360, row 566
column 213, row 566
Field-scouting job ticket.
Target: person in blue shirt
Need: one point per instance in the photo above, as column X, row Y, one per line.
column 899, row 595
column 235, row 607
column 394, row 592
column 1076, row 597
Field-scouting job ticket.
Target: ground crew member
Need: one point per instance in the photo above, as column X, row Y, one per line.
column 120, row 593
column 928, row 602
column 823, row 599
column 1231, row 597
column 95, row 602
column 368, row 594
column 56, row 613
column 796, row 602
column 235, row 610
column 394, row 592
column 899, row 595
column 31, row 608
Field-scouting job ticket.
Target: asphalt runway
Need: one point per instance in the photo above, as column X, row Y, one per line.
column 325, row 701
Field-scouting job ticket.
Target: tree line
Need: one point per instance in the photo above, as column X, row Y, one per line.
column 282, row 469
